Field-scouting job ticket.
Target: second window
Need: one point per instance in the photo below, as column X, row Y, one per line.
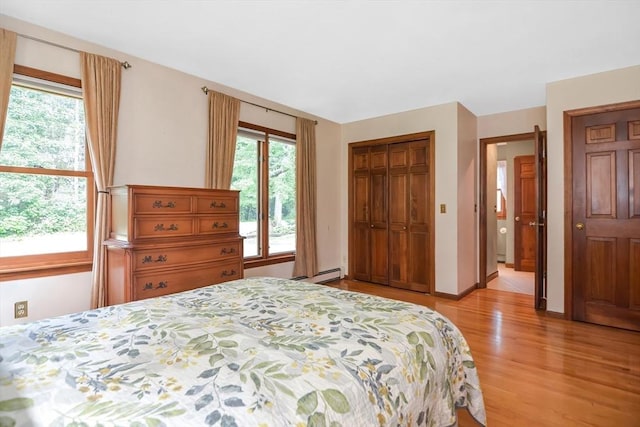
column 265, row 173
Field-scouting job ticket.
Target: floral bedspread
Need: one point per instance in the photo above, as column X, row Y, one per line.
column 253, row 352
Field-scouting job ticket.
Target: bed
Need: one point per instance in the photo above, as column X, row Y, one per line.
column 252, row 352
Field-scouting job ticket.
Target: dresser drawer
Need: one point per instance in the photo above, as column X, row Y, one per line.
column 171, row 257
column 161, row 204
column 215, row 204
column 218, row 224
column 160, row 227
column 149, row 285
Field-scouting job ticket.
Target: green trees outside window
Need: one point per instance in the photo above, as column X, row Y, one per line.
column 265, row 173
column 43, row 173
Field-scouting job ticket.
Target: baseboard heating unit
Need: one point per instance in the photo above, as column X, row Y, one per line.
column 323, row 276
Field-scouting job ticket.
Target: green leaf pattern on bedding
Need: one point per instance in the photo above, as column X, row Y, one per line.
column 254, row 352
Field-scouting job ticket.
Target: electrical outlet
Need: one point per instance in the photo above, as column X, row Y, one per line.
column 21, row 309
column 443, row 208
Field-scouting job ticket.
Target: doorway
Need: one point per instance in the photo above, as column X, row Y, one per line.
column 512, row 210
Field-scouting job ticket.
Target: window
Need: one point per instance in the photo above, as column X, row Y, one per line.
column 46, row 183
column 265, row 173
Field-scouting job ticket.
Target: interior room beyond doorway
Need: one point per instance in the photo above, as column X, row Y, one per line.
column 510, row 280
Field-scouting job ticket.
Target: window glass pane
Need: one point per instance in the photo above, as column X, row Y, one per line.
column 43, row 130
column 501, row 177
column 245, row 179
column 42, row 214
column 282, row 195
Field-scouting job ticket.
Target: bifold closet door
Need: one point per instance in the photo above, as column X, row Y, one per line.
column 409, row 255
column 370, row 230
column 379, row 225
column 360, row 229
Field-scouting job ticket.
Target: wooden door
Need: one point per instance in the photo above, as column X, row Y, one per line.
column 540, row 279
column 361, row 233
column 379, row 216
column 524, row 231
column 606, row 218
column 409, row 216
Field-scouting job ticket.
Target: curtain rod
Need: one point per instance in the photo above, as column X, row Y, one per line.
column 124, row 64
column 206, row 91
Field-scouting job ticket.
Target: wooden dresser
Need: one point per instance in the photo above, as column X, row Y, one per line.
column 170, row 239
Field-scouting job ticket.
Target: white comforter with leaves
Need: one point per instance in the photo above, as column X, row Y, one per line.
column 254, row 352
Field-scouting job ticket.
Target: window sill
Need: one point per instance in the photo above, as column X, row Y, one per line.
column 252, row 263
column 44, row 270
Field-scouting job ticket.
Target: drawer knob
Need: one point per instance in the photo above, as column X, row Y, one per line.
column 148, row 258
column 215, row 204
column 218, row 225
column 226, row 273
column 160, row 227
column 225, row 251
column 158, row 204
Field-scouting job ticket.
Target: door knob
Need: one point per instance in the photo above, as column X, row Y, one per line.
column 580, row 226
column 517, row 218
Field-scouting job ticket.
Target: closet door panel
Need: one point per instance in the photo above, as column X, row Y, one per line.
column 399, row 259
column 379, row 216
column 419, row 274
column 419, row 201
column 361, row 262
column 361, row 241
column 379, row 256
column 378, row 199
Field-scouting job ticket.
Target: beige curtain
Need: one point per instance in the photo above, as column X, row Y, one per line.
column 224, row 113
column 7, row 56
column 306, row 263
column 101, row 90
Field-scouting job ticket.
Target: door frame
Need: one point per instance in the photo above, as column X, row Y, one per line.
column 482, row 199
column 430, row 136
column 568, row 191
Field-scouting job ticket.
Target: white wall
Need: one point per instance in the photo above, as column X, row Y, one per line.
column 580, row 92
column 512, row 122
column 47, row 296
column 162, row 134
column 467, row 200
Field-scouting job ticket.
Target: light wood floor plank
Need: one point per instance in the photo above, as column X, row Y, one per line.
column 537, row 370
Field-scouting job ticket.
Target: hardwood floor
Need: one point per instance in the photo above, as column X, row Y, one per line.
column 537, row 370
column 513, row 281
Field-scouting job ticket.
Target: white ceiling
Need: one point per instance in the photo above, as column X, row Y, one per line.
column 352, row 60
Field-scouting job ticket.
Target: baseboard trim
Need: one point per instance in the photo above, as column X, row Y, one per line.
column 459, row 296
column 555, row 314
column 492, row 276
column 509, row 265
